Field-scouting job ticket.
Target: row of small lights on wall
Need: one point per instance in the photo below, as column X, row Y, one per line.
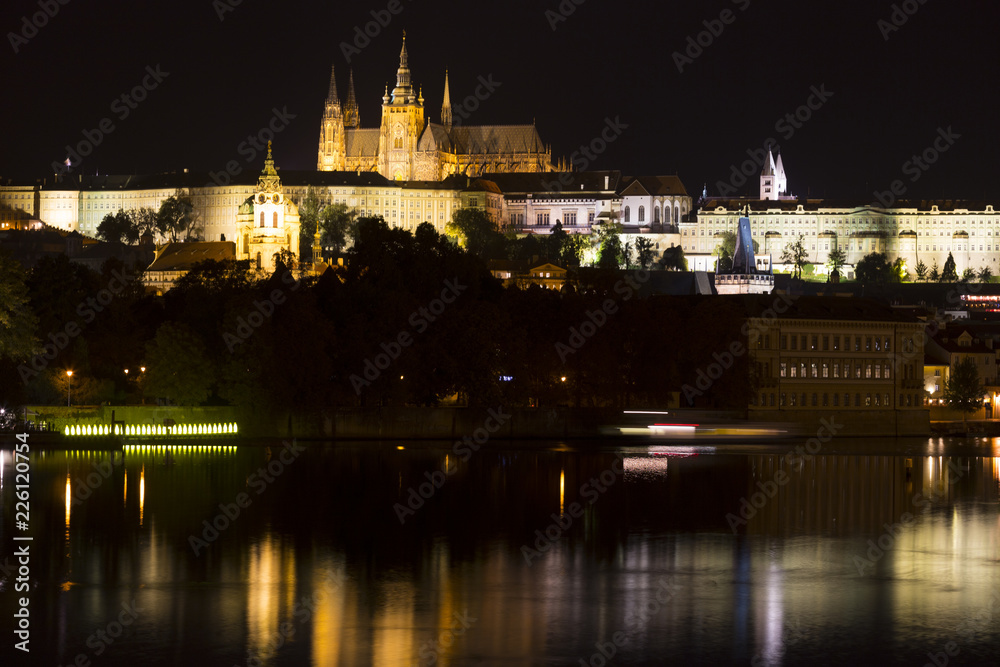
column 182, row 448
column 151, row 430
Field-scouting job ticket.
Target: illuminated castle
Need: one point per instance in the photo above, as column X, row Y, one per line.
column 407, row 146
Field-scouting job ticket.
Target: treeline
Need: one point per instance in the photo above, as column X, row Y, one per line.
column 410, row 319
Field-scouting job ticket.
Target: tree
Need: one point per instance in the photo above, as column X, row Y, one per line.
column 963, row 390
column 476, row 233
column 795, row 254
column 572, row 249
column 899, row 272
column 921, row 270
column 948, row 273
column 17, row 320
column 985, row 275
column 644, row 252
column 178, row 366
column 673, row 259
column 967, row 276
column 177, row 217
column 935, row 273
column 875, row 269
column 337, row 223
column 118, row 228
column 836, row 259
column 607, row 237
column 309, row 211
column 627, row 255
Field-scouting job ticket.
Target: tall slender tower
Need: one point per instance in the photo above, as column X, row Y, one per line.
column 402, row 122
column 332, row 148
column 351, row 116
column 446, row 105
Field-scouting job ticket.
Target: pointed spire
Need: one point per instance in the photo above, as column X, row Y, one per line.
column 446, row 104
column 331, row 97
column 351, row 116
column 768, row 169
column 269, row 181
column 403, row 91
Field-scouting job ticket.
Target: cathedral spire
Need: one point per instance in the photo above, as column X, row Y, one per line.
column 403, row 90
column 351, row 117
column 331, row 98
column 446, row 105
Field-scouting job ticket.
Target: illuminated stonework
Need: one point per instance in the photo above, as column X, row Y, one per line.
column 406, row 147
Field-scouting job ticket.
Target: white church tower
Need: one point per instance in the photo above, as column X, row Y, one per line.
column 268, row 222
column 773, row 183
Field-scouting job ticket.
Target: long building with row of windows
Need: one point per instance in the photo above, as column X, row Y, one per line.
column 916, row 231
column 821, row 356
column 525, row 203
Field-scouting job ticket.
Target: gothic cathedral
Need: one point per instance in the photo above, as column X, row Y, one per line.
column 408, row 147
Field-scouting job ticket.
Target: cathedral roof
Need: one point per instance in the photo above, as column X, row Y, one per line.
column 435, row 138
column 473, row 139
column 362, row 143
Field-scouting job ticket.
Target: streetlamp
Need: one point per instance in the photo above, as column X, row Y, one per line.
column 69, row 387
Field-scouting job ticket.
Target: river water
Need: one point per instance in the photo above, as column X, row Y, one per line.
column 516, row 553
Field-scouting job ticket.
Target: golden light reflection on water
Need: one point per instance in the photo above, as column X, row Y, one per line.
column 270, row 596
column 142, row 491
column 329, row 626
column 792, row 566
column 562, row 489
column 69, row 501
column 393, row 631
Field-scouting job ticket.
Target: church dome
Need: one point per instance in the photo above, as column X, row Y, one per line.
column 246, row 207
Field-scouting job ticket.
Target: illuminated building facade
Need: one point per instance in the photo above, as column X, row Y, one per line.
column 952, row 345
column 407, row 146
column 915, row 231
column 267, row 222
column 812, row 356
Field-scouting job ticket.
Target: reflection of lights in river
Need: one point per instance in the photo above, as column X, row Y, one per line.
column 69, row 501
column 142, row 491
column 562, row 489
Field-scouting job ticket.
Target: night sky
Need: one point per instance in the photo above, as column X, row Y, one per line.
column 606, row 60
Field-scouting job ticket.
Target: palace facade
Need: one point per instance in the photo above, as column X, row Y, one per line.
column 915, row 231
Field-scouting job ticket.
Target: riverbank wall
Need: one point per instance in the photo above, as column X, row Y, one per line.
column 409, row 423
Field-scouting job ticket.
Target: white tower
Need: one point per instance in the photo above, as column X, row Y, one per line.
column 773, row 183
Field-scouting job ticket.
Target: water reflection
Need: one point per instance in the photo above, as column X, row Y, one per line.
column 691, row 556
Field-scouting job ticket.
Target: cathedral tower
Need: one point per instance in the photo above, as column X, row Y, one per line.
column 332, row 147
column 402, row 123
column 351, row 117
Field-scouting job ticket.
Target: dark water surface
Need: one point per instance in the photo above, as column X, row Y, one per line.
column 526, row 554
